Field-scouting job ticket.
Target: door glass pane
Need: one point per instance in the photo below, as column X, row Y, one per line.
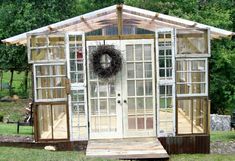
column 139, row 70
column 147, row 52
column 139, row 88
column 130, row 70
column 131, row 106
column 131, row 88
column 148, row 87
column 138, row 52
column 129, row 53
column 140, row 105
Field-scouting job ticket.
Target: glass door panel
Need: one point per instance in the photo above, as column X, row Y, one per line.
column 139, row 109
column 104, row 99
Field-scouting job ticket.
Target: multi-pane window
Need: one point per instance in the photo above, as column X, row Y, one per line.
column 76, row 59
column 192, row 115
column 44, row 48
column 78, row 88
column 192, row 42
column 165, row 55
column 166, row 111
column 140, row 85
column 50, row 82
column 79, row 118
column 166, row 82
column 191, row 77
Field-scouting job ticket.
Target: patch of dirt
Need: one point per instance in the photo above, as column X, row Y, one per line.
column 220, row 147
column 5, row 138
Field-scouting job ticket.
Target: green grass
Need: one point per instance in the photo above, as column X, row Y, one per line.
column 17, row 85
column 14, row 111
column 224, row 136
column 10, row 129
column 202, row 157
column 23, row 154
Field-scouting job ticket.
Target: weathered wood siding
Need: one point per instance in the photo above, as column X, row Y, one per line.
column 186, row 144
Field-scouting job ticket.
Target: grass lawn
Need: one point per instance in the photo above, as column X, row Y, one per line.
column 23, row 154
column 202, row 157
column 18, row 79
column 223, row 136
column 10, row 129
column 13, row 110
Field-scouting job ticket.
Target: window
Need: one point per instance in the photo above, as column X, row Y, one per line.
column 50, row 82
column 191, row 42
column 52, row 121
column 166, row 111
column 79, row 118
column 46, row 48
column 192, row 115
column 165, row 55
column 191, row 77
column 76, row 59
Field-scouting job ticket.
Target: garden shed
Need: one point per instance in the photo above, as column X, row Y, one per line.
column 122, row 74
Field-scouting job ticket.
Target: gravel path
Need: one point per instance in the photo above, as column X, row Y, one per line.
column 5, row 138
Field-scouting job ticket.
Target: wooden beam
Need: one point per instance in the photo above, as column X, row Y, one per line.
column 120, row 37
column 119, row 19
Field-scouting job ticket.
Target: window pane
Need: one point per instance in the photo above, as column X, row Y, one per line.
column 44, row 122
column 129, row 53
column 138, row 52
column 147, row 52
column 59, row 122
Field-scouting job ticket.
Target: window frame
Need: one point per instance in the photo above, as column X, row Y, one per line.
column 196, row 55
column 189, row 75
column 36, row 99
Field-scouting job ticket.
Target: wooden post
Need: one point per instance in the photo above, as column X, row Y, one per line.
column 119, row 19
column 208, row 117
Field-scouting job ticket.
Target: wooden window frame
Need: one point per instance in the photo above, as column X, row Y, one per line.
column 36, row 123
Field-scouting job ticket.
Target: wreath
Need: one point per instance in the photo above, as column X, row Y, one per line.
column 115, row 64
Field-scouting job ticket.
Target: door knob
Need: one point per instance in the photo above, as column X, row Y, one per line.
column 125, row 101
column 118, row 101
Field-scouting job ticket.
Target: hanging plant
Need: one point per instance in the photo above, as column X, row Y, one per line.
column 109, row 67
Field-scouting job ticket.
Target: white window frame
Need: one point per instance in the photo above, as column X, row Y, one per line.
column 43, row 47
column 206, row 78
column 76, row 86
column 35, row 83
column 166, row 81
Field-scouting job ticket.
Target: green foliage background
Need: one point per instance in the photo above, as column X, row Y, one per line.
column 18, row 16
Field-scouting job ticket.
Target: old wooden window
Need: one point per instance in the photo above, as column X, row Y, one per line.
column 193, row 42
column 192, row 115
column 52, row 121
column 44, row 48
column 50, row 82
column 191, row 77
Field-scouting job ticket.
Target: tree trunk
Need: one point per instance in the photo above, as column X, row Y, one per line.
column 1, row 78
column 10, row 83
column 26, row 81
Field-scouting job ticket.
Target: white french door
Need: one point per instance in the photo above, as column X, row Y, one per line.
column 125, row 105
column 138, row 88
column 105, row 110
